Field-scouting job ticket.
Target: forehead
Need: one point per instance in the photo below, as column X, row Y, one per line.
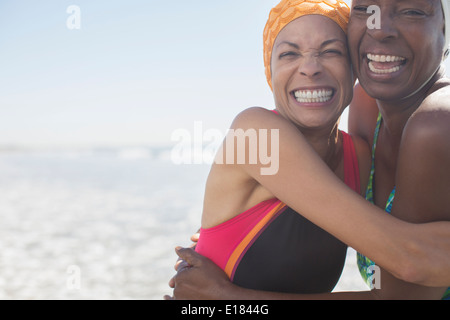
column 311, row 28
column 395, row 2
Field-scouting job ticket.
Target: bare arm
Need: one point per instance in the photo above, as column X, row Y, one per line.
column 416, row 253
column 203, row 280
column 421, row 197
column 406, row 250
column 306, row 184
column 428, row 254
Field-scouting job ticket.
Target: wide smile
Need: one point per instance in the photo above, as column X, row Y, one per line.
column 313, row 96
column 385, row 65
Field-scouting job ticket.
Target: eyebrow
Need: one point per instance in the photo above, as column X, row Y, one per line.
column 408, row 1
column 427, row 3
column 327, row 42
column 296, row 46
column 324, row 44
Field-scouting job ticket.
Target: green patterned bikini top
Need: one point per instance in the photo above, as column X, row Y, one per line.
column 365, row 265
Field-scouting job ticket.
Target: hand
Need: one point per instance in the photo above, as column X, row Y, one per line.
column 198, row 278
column 181, row 264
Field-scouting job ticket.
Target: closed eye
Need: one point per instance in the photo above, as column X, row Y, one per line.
column 360, row 9
column 416, row 13
column 331, row 52
column 288, row 54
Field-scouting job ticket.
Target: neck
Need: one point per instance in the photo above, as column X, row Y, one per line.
column 325, row 143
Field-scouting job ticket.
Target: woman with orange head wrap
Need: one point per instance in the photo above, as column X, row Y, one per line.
column 269, row 246
column 287, row 11
column 250, row 215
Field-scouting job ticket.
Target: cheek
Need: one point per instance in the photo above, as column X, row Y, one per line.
column 280, row 72
column 345, row 79
column 278, row 92
column 277, row 84
column 342, row 72
column 281, row 76
column 356, row 31
column 425, row 60
column 428, row 44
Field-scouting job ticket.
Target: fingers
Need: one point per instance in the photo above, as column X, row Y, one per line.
column 191, row 257
column 195, row 237
column 188, row 258
column 181, row 265
column 172, row 282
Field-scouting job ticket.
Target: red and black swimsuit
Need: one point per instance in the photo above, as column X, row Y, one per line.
column 273, row 248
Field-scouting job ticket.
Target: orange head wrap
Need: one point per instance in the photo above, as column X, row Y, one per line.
column 289, row 10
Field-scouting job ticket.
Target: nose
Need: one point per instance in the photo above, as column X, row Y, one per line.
column 385, row 30
column 310, row 67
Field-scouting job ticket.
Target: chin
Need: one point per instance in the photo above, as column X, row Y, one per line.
column 383, row 92
column 318, row 123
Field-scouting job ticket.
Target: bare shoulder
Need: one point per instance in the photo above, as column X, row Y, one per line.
column 252, row 111
column 438, row 100
column 258, row 118
column 230, row 189
column 259, row 121
column 427, row 133
column 430, row 124
column 423, row 173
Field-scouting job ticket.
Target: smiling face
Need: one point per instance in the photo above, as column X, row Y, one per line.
column 399, row 58
column 311, row 74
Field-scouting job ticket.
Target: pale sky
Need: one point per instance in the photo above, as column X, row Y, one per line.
column 136, row 70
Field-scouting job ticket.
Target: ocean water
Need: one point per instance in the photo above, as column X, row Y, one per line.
column 100, row 223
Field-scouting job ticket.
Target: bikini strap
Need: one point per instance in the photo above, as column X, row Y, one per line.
column 369, row 190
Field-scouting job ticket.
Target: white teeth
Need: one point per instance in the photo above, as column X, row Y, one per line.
column 313, row 96
column 384, row 58
column 375, row 70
